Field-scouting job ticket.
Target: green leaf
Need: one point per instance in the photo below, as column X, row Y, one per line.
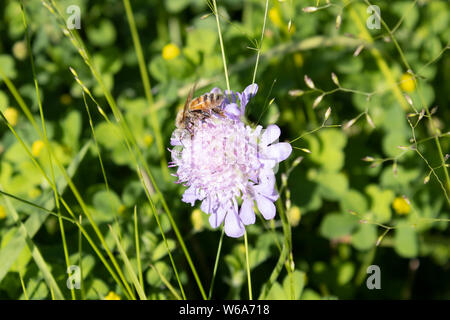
column 161, row 250
column 336, row 225
column 153, row 277
column 176, row 6
column 293, row 285
column 380, row 203
column 107, row 135
column 405, row 241
column 7, row 66
column 276, row 293
column 345, row 273
column 333, row 186
column 328, row 151
column 71, row 126
column 102, row 34
column 365, row 237
column 107, row 203
column 353, row 201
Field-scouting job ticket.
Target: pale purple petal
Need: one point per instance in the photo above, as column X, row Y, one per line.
column 271, row 134
column 175, row 142
column 232, row 110
column 216, row 90
column 266, row 207
column 266, row 187
column 246, row 213
column 208, row 206
column 251, row 90
column 233, row 225
column 245, row 96
column 280, row 151
column 216, row 219
column 230, row 97
column 189, row 196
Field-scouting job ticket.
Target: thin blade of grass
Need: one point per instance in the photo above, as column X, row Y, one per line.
column 249, row 279
column 216, row 264
column 167, row 283
column 23, row 286
column 138, row 250
column 147, row 88
column 128, row 266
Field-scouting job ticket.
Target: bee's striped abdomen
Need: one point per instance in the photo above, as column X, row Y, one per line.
column 206, row 102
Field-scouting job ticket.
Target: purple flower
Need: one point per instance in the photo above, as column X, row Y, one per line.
column 224, row 162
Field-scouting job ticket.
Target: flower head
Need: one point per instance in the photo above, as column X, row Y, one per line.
column 228, row 165
column 407, row 82
column 170, row 51
column 401, row 206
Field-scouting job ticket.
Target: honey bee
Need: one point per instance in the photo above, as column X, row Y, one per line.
column 199, row 109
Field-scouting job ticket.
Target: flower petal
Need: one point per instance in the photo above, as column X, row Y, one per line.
column 266, row 207
column 266, row 186
column 216, row 219
column 233, row 225
column 190, row 196
column 245, row 96
column 233, row 95
column 208, row 206
column 271, row 134
column 246, row 213
column 280, row 151
column 216, row 90
column 251, row 90
column 232, row 110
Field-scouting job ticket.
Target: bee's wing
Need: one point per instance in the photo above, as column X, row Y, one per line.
column 188, row 100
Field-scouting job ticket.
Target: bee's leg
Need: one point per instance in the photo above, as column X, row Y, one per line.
column 218, row 110
column 205, row 114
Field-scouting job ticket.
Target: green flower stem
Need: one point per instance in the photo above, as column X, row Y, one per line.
column 216, row 264
column 249, row 280
column 260, row 43
column 216, row 13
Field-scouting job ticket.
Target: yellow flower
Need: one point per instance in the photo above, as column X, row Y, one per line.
column 294, row 215
column 11, row 114
column 37, row 147
column 196, row 219
column 34, row 193
column 2, row 212
column 20, row 50
column 112, row 296
column 275, row 17
column 407, row 82
column 148, row 139
column 298, row 59
column 401, row 206
column 170, row 51
column 65, row 99
column 121, row 209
